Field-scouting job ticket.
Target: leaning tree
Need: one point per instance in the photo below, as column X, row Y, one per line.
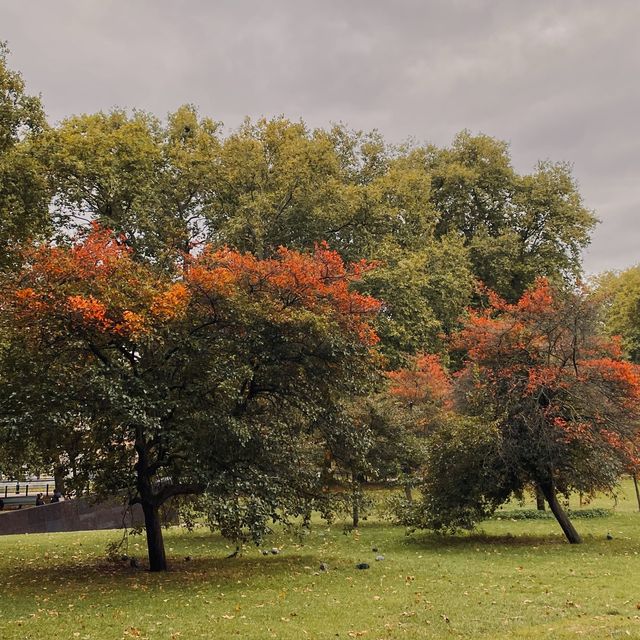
column 545, row 400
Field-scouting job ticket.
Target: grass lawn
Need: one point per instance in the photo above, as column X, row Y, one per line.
column 511, row 579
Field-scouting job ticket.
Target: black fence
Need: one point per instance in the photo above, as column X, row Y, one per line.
column 26, row 489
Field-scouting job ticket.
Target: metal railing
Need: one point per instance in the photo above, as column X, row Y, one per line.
column 26, row 489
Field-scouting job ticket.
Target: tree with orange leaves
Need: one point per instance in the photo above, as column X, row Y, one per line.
column 421, row 393
column 423, row 382
column 550, row 400
column 220, row 377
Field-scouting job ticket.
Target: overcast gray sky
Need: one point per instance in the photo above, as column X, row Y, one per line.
column 557, row 79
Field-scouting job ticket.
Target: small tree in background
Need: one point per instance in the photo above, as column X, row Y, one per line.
column 421, row 392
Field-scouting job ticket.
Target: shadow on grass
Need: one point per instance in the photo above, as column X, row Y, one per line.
column 96, row 575
column 464, row 541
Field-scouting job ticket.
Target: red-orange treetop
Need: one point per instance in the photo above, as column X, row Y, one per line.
column 542, row 367
column 424, row 381
column 98, row 284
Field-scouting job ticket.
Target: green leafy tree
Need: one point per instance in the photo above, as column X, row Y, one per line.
column 147, row 181
column 424, row 293
column 280, row 183
column 621, row 293
column 23, row 190
column 221, row 377
column 517, row 227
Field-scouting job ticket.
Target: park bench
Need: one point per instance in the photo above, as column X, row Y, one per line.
column 17, row 502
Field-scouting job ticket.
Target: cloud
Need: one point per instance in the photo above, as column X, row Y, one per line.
column 556, row 80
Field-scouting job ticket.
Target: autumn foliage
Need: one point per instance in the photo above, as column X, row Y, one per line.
column 99, row 287
column 424, row 381
column 319, row 282
column 544, row 352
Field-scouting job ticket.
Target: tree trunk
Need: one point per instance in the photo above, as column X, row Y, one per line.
column 635, row 484
column 407, row 493
column 150, row 505
column 539, row 498
column 355, row 501
column 326, row 474
column 155, row 543
column 59, row 474
column 549, row 491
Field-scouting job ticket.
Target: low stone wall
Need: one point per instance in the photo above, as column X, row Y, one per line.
column 70, row 515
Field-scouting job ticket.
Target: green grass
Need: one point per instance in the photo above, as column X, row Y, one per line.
column 510, row 579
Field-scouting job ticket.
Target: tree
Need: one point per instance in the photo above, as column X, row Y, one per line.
column 621, row 294
column 280, row 183
column 23, row 190
column 424, row 293
column 215, row 377
column 434, row 218
column 517, row 227
column 147, row 181
column 423, row 386
column 421, row 392
column 553, row 404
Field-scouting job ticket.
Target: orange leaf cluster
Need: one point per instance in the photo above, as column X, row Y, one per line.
column 97, row 283
column 426, row 381
column 94, row 283
column 538, row 299
column 90, row 310
column 96, row 257
column 172, row 302
column 542, row 376
column 133, row 324
column 320, row 282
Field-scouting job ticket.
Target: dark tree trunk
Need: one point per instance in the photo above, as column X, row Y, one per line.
column 155, row 543
column 150, row 504
column 58, row 477
column 635, row 484
column 326, row 476
column 549, row 491
column 539, row 498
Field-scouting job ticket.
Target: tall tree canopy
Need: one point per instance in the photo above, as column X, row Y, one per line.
column 23, row 189
column 216, row 378
column 517, row 227
column 147, row 181
column 435, row 219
